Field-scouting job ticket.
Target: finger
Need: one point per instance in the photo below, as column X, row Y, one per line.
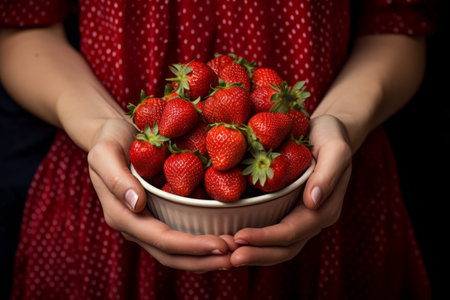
column 198, row 264
column 333, row 155
column 300, row 224
column 265, row 256
column 147, row 229
column 232, row 245
column 115, row 173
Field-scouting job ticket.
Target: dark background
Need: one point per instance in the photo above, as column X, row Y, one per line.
column 419, row 136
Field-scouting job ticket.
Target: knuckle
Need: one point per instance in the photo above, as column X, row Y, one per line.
column 333, row 216
column 110, row 221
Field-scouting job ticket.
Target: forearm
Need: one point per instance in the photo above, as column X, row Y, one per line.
column 382, row 74
column 45, row 75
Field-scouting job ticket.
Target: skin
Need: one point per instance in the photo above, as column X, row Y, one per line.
column 381, row 75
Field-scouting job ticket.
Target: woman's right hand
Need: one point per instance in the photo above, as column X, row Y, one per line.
column 124, row 206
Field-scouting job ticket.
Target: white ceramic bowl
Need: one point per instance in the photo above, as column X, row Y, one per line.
column 197, row 216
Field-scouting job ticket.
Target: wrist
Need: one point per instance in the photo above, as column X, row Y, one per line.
column 356, row 108
column 83, row 115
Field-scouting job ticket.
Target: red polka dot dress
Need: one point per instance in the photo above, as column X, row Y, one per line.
column 68, row 252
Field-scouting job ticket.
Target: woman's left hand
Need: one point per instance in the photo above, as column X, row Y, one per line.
column 326, row 188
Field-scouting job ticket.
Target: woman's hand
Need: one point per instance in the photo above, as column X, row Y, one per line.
column 123, row 201
column 322, row 202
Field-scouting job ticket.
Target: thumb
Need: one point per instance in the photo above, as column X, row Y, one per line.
column 333, row 159
column 110, row 174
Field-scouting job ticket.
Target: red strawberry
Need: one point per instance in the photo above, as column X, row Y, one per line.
column 265, row 77
column 300, row 123
column 178, row 118
column 226, row 146
column 194, row 79
column 148, row 152
column 184, row 172
column 171, row 96
column 167, row 188
column 260, row 99
column 235, row 73
column 270, row 128
column 298, row 155
column 267, row 171
column 229, row 104
column 198, row 193
column 219, row 62
column 158, row 180
column 227, row 186
column 194, row 140
column 147, row 112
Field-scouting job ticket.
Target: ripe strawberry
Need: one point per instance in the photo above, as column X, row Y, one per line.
column 298, row 155
column 178, row 118
column 235, row 73
column 226, row 186
column 183, row 171
column 147, row 112
column 260, row 99
column 300, row 123
column 220, row 61
column 194, row 79
column 167, row 188
column 148, row 152
column 270, row 128
column 267, row 171
column 198, row 193
column 226, row 146
column 229, row 104
column 265, row 77
column 194, row 139
column 158, row 180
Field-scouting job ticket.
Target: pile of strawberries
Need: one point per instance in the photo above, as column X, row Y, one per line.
column 223, row 129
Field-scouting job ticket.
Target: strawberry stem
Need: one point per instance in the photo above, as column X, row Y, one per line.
column 259, row 166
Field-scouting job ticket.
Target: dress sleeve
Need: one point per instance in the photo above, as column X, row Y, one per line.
column 412, row 17
column 25, row 13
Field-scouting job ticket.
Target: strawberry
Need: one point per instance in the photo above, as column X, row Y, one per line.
column 194, row 140
column 148, row 152
column 220, row 61
column 226, row 146
column 167, row 188
column 194, row 79
column 178, row 118
column 183, row 171
column 265, row 77
column 300, row 123
column 267, row 171
column 260, row 99
column 235, row 73
column 298, row 155
column 198, row 193
column 229, row 104
column 158, row 180
column 147, row 112
column 227, row 186
column 269, row 128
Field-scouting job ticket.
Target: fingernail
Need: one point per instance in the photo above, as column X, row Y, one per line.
column 241, row 241
column 131, row 197
column 217, row 252
column 316, row 195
